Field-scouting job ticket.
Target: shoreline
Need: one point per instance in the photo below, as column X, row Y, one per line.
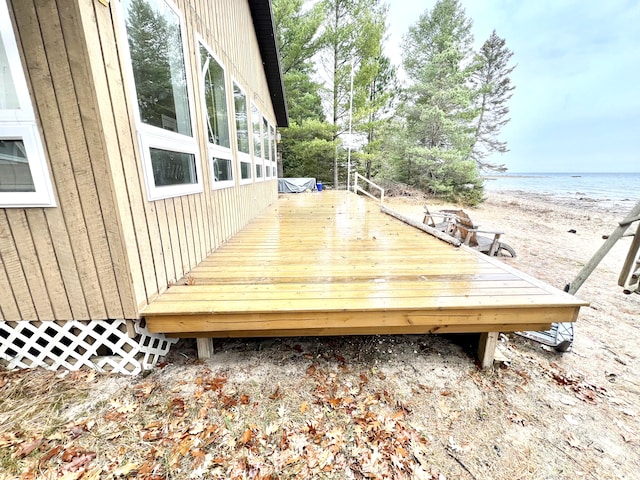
column 581, row 202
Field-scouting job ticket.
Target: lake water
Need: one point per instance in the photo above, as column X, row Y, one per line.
column 619, row 189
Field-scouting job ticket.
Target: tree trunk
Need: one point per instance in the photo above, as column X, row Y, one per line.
column 335, row 96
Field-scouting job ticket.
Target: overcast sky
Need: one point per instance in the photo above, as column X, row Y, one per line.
column 576, row 106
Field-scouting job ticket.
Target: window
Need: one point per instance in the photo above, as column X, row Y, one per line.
column 257, row 140
column 242, row 133
column 164, row 109
column 24, row 177
column 274, row 157
column 267, row 147
column 215, row 100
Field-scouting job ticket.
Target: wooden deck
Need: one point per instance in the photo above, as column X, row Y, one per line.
column 331, row 263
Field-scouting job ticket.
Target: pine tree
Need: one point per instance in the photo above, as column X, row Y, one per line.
column 354, row 31
column 438, row 111
column 493, row 86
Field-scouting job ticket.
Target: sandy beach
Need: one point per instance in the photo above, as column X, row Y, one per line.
column 293, row 407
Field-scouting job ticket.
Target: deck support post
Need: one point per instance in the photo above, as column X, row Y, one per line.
column 487, row 349
column 205, row 348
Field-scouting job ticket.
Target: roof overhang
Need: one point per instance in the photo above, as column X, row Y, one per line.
column 266, row 32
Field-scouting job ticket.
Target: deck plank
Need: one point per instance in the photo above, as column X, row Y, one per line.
column 333, row 264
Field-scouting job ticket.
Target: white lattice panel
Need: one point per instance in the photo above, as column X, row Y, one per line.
column 103, row 345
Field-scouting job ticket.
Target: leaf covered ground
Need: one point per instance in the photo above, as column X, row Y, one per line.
column 368, row 407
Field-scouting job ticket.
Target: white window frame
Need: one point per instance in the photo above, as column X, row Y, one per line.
column 257, row 160
column 20, row 125
column 242, row 156
column 152, row 136
column 214, row 150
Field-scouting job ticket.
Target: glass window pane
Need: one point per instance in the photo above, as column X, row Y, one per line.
column 259, row 171
column 255, row 124
column 173, row 168
column 222, row 170
column 242, row 125
column 245, row 170
column 215, row 96
column 272, row 135
column 8, row 96
column 15, row 174
column 155, row 41
column 265, row 138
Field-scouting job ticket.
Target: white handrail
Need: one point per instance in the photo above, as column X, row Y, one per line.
column 357, row 188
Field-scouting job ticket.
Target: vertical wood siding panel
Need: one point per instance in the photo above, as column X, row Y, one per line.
column 183, row 205
column 165, row 240
column 79, row 154
column 231, row 212
column 192, row 205
column 105, row 72
column 215, row 207
column 182, row 235
column 8, row 305
column 147, row 245
column 174, row 236
column 85, row 50
column 30, row 262
column 156, row 245
column 215, row 195
column 49, row 265
column 66, row 262
column 54, row 139
column 224, row 213
column 19, row 287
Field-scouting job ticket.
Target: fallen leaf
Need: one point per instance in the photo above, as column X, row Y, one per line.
column 196, row 428
column 277, row 394
column 50, row 454
column 177, row 404
column 246, row 436
column 272, row 428
column 26, row 448
column 80, row 462
column 244, row 399
column 144, row 390
column 303, row 407
column 198, row 456
column 311, row 370
column 125, row 469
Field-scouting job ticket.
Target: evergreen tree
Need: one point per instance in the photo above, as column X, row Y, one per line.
column 383, row 91
column 298, row 33
column 299, row 40
column 307, row 150
column 354, row 31
column 439, row 110
column 493, row 86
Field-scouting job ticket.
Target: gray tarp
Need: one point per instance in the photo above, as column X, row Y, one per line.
column 296, row 185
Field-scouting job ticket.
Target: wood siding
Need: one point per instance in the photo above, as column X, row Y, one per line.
column 106, row 250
